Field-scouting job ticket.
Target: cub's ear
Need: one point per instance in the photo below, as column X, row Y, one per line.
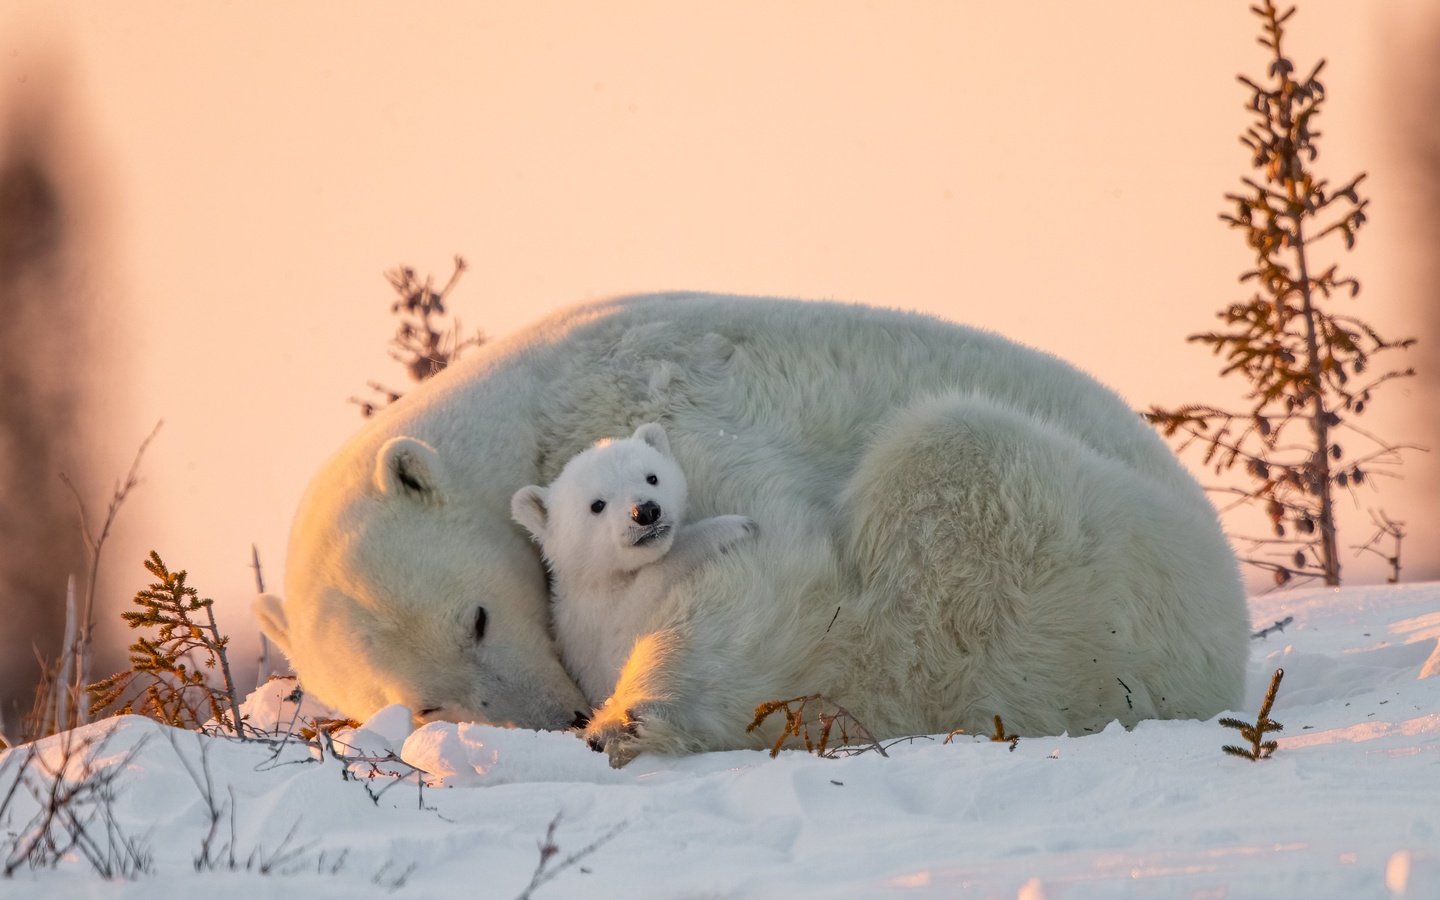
column 409, row 467
column 653, row 433
column 528, row 507
column 270, row 613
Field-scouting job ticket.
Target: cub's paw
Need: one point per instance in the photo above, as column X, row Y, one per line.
column 616, row 732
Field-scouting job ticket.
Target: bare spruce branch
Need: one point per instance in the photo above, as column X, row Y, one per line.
column 426, row 342
column 854, row 738
column 1268, row 630
column 549, row 849
column 1385, row 527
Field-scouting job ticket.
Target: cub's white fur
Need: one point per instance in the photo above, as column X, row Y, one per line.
column 610, row 526
column 954, row 526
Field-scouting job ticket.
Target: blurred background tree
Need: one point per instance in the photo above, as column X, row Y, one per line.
column 49, row 363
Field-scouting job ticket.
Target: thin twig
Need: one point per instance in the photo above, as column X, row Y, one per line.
column 262, row 664
column 95, row 544
column 544, row 872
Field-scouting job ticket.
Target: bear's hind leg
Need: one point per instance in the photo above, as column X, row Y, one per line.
column 1007, row 568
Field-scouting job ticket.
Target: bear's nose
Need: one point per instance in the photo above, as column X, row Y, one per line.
column 645, row 513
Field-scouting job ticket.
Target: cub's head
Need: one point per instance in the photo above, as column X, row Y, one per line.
column 404, row 585
column 613, row 507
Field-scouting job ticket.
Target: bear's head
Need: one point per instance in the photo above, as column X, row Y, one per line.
column 614, row 507
column 403, row 588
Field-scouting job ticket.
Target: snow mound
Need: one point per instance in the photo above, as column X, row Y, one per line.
column 1346, row 807
column 279, row 706
column 467, row 755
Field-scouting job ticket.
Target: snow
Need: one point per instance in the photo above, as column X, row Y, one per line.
column 1349, row 806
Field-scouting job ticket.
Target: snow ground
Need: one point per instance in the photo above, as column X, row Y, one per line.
column 1349, row 807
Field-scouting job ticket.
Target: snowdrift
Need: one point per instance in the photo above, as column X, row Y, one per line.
column 1347, row 807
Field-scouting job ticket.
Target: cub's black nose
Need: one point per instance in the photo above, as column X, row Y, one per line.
column 645, row 513
column 580, row 721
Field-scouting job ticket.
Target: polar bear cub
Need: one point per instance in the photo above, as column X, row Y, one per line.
column 609, row 526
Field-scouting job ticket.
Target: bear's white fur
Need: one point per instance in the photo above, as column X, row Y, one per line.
column 955, row 526
column 610, row 527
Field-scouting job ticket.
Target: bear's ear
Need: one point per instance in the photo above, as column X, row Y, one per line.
column 270, row 613
column 528, row 507
column 409, row 467
column 653, row 433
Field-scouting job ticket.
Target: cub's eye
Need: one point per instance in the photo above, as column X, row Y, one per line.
column 651, row 479
column 481, row 619
column 597, row 507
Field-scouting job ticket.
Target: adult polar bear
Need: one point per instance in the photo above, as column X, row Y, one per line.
column 955, row 526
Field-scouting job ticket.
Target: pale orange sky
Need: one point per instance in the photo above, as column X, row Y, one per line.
column 1049, row 170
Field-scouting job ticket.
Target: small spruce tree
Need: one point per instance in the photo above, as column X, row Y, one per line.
column 1259, row 747
column 1308, row 365
column 163, row 681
